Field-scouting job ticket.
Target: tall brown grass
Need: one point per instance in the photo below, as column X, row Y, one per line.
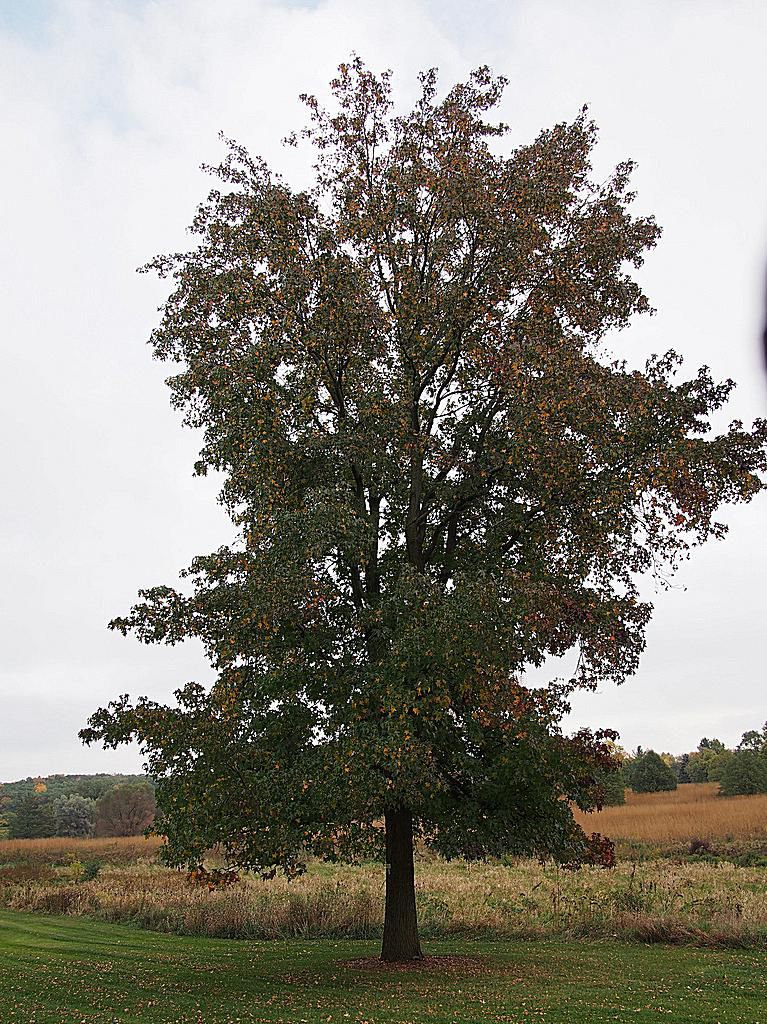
column 711, row 904
column 110, row 850
column 692, row 811
column 656, row 899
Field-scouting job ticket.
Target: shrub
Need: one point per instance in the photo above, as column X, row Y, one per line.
column 91, row 869
column 700, row 846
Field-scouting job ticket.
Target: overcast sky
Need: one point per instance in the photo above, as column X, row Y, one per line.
column 107, row 110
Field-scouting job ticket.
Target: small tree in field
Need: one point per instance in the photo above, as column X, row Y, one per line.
column 438, row 477
column 649, row 773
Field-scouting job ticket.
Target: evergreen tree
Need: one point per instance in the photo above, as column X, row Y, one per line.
column 681, row 768
column 649, row 773
column 34, row 818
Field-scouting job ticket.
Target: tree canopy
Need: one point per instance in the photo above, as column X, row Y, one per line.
column 438, row 475
column 74, row 815
column 649, row 773
column 754, row 739
column 34, row 818
column 745, row 773
column 125, row 810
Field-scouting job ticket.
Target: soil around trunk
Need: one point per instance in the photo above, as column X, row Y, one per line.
column 464, row 965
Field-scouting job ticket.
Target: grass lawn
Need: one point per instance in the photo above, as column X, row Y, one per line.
column 73, row 970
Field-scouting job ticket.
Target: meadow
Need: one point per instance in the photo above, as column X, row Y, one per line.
column 69, row 970
column 690, row 871
column 671, row 821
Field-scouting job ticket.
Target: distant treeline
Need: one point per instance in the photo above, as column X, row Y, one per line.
column 124, row 805
column 740, row 771
column 76, row 805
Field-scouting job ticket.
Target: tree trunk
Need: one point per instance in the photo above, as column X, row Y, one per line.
column 400, row 937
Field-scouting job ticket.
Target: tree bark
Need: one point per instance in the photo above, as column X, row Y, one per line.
column 400, row 937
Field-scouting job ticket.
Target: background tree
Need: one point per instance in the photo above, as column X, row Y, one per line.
column 56, row 788
column 75, row 815
column 611, row 785
column 717, row 763
column 649, row 773
column 681, row 769
column 94, row 786
column 125, row 810
column 707, row 763
column 697, row 767
column 744, row 773
column 715, row 745
column 5, row 806
column 439, row 476
column 34, row 818
column 755, row 739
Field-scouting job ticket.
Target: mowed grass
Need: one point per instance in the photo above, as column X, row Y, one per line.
column 69, row 971
column 693, row 811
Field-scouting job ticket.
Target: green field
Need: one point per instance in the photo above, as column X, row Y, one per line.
column 73, row 971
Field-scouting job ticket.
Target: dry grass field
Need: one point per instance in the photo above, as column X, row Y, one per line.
column 694, row 811
column 122, row 850
column 701, row 903
column 662, row 894
column 653, row 901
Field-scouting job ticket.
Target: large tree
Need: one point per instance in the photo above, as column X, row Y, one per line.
column 439, row 476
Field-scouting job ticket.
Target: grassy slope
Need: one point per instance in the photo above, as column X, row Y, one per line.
column 68, row 971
